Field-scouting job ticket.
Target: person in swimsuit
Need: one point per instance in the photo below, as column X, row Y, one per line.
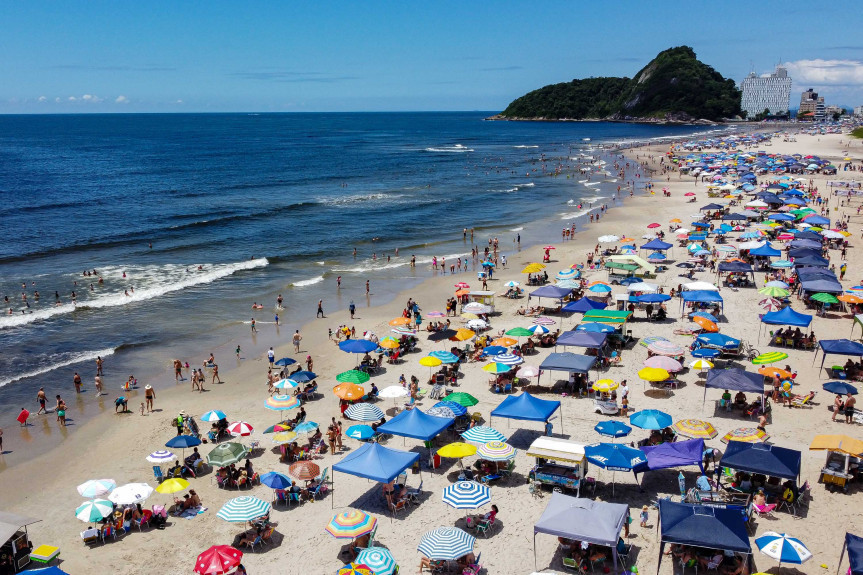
column 149, row 395
column 41, row 398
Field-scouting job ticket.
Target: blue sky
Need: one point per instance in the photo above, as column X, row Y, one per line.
column 93, row 56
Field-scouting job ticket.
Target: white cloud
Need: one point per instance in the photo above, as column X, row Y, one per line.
column 826, row 72
column 73, row 99
column 178, row 102
column 57, row 99
column 42, row 99
column 87, row 97
column 121, row 100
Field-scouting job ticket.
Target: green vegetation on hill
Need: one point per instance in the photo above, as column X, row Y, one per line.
column 674, row 85
column 857, row 132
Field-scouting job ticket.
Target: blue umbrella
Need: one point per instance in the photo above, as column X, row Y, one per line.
column 455, row 408
column 653, row 298
column 445, row 356
column 616, row 456
column 446, row 543
column 595, row 327
column 719, row 340
column 705, row 315
column 493, row 350
column 705, row 352
column 183, row 441
column 650, row 419
column 611, row 428
column 839, row 387
column 303, row 376
column 276, row 480
column 600, row 288
column 306, row 427
column 466, row 495
column 285, row 361
column 509, row 359
column 358, row 346
column 214, row 415
column 781, row 264
column 361, row 432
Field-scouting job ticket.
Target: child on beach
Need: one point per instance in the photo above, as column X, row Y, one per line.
column 142, row 408
column 644, row 516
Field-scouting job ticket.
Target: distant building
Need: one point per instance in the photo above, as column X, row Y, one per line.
column 858, row 111
column 830, row 110
column 771, row 93
column 812, row 107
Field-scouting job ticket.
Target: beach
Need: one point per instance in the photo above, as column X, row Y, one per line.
column 115, row 445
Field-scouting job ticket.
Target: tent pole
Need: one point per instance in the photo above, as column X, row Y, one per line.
column 534, row 549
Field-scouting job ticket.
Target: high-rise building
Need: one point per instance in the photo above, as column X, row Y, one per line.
column 809, row 104
column 772, row 92
column 858, row 111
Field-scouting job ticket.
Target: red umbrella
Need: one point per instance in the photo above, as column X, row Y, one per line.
column 461, row 285
column 653, row 225
column 689, row 194
column 549, row 248
column 218, row 559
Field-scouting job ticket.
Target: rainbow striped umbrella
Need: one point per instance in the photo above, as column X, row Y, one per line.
column 496, row 451
column 281, row 402
column 284, row 437
column 355, row 569
column 745, row 434
column 770, row 357
column 351, row 524
column 695, row 428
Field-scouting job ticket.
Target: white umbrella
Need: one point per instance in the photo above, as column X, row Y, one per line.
column 641, row 286
column 96, row 487
column 528, row 371
column 832, row 235
column 393, row 392
column 476, row 307
column 681, row 231
column 161, row 456
column 131, row 493
column 698, row 286
column 286, row 384
column 608, row 239
column 783, row 548
column 477, row 324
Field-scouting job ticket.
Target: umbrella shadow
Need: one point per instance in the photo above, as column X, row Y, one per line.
column 523, row 438
column 495, row 529
column 784, row 570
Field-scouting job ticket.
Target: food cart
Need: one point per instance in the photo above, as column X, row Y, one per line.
column 844, row 455
column 559, row 463
column 16, row 542
column 483, row 297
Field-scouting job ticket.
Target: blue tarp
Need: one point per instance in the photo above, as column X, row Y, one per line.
column 762, row 458
column 550, row 291
column 811, row 261
column 854, row 545
column 416, row 424
column 676, row 454
column 711, row 207
column 718, row 340
column 787, row 316
column 657, row 244
column 591, row 340
column 702, row 526
column 653, row 298
column 584, row 305
column 568, row 361
column 766, row 251
column 733, row 217
column 734, row 379
column 740, row 267
column 376, row 462
column 701, row 296
column 527, row 407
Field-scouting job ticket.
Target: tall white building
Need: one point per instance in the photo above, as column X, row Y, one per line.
column 771, row 92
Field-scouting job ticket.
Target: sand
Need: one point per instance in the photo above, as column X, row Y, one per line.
column 115, row 446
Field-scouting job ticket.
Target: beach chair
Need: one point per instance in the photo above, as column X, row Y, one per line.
column 91, row 536
column 399, row 506
column 764, row 510
column 507, row 388
column 535, row 490
column 473, row 568
column 571, row 563
column 265, row 538
column 259, row 541
column 157, row 473
column 804, row 401
column 486, row 479
column 509, row 468
column 144, row 520
column 484, row 525
column 280, row 496
column 414, row 494
column 597, row 559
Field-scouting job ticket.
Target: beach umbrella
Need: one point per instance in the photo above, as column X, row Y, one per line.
column 286, row 384
column 445, row 356
column 461, row 285
column 379, row 560
column 653, row 374
column 770, row 304
column 435, row 314
column 495, row 367
column 777, row 283
column 646, row 341
column 452, row 409
column 161, row 456
column 706, row 324
column 701, row 364
column 850, row 298
column 226, row 454
column 364, row 412
column 351, row 524
column 611, row 428
column 172, row 485
column 770, row 357
column 214, row 415
column 494, row 350
column 284, row 437
column 825, row 298
column 496, row 451
column 95, row 510
column 353, row 376
column 694, row 428
column 768, row 371
column 705, row 352
column 393, row 392
column 512, row 283
column 605, row 385
column 482, row 434
column 838, row 387
column 641, row 287
column 360, row 345
column 243, row 508
column 662, row 347
column 275, row 480
column 466, row 495
column 396, row 322
column 615, row 457
column 600, row 288
column 774, row 291
column 130, row 493
column 783, row 548
column 504, row 341
column 567, row 274
column 745, row 434
column 281, row 402
column 361, row 432
column 446, row 543
column 509, row 359
column 781, row 264
column 284, row 362
column 609, row 239
column 240, row 429
column 355, row 569
column 349, row 391
column 528, row 371
column 469, row 316
column 404, row 331
column 650, row 419
column 477, row 324
column 218, row 560
column 463, row 334
column 303, row 376
column 476, row 307
column 306, row 427
column 462, row 398
column 389, row 343
column 663, row 362
column 183, row 441
column 538, row 329
column 457, row 450
column 541, row 320
column 96, row 487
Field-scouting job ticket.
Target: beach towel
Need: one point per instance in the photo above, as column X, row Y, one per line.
column 192, row 513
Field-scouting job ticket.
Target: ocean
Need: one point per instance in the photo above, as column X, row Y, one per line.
column 189, row 219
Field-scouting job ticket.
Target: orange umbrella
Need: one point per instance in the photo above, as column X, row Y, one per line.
column 462, row 292
column 504, row 341
column 705, row 324
column 850, row 298
column 768, row 371
column 400, row 321
column 349, row 391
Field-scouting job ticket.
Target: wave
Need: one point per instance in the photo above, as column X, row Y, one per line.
column 57, row 361
column 573, row 215
column 592, row 184
column 157, row 281
column 458, row 148
column 372, row 266
column 518, row 229
column 358, row 198
column 522, row 146
column 590, row 199
column 312, row 281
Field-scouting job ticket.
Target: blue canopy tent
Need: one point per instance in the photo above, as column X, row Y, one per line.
column 551, row 292
column 584, row 305
column 676, row 454
column 770, row 460
column 376, row 462
column 800, row 252
column 766, row 251
column 657, row 244
column 838, row 347
column 785, row 316
column 820, row 286
column 736, row 267
column 701, row 526
column 711, row 207
column 854, row 545
column 810, row 235
column 733, row 217
column 652, row 298
column 568, row 361
column 527, row 407
column 701, row 296
column 734, row 379
column 814, row 261
column 416, row 424
column 586, row 339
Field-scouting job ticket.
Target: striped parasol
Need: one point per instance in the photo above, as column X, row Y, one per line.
column 542, row 320
column 482, row 434
column 94, row 510
column 304, row 470
column 355, row 569
column 278, row 428
column 663, row 362
column 745, row 434
column 567, row 274
column 538, row 329
column 240, row 429
column 284, row 437
column 435, row 314
column 783, row 548
column 446, row 543
column 770, row 357
column 281, row 402
column 646, row 341
column 466, row 495
column 666, row 348
column 496, row 451
column 214, row 415
column 605, row 385
column 456, row 408
column 404, row 331
column 445, row 356
column 364, row 412
column 509, row 359
column 286, row 384
column 306, row 427
column 160, row 457
column 695, row 428
column 379, row 560
column 351, row 524
column 96, row 487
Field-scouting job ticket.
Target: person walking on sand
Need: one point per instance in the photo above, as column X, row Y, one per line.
column 77, row 380
column 254, row 329
column 238, row 352
column 149, row 395
column 271, row 356
column 320, row 308
column 338, row 428
column 849, row 408
column 352, row 308
column 178, row 370
column 296, row 340
column 42, row 399
column 215, row 375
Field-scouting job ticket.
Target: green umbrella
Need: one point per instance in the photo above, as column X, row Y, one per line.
column 519, row 332
column 94, row 510
column 226, row 454
column 825, row 298
column 770, row 357
column 353, row 376
column 773, row 291
column 462, row 398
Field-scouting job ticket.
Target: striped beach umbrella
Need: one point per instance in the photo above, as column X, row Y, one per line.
column 695, row 428
column 364, row 412
column 353, row 376
column 770, row 357
column 161, row 456
column 663, row 362
column 462, row 398
column 95, row 510
column 214, row 415
column 509, row 359
column 542, row 320
column 567, row 274
column 482, row 434
column 281, row 402
column 284, row 437
column 783, row 548
column 278, row 428
column 445, row 356
column 286, row 384
column 646, row 341
column 240, row 429
column 666, row 348
column 446, row 543
column 243, row 508
column 466, row 495
column 218, row 560
column 745, row 434
column 496, row 451
column 701, row 364
column 404, row 331
column 351, row 524
column 96, row 487
column 538, row 329
column 495, row 367
column 304, row 470
column 355, row 569
column 306, row 427
column 379, row 560
column 605, row 385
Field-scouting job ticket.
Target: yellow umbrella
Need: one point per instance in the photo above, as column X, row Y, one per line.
column 284, row 437
column 429, row 361
column 504, row 341
column 605, row 385
column 676, row 221
column 464, row 334
column 389, row 343
column 469, row 316
column 457, row 450
column 653, row 374
column 533, row 268
column 172, row 486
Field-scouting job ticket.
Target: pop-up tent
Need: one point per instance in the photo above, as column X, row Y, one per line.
column 762, row 458
column 584, row 305
column 785, row 316
column 376, row 462
column 814, row 261
column 676, row 454
column 734, row 379
column 838, row 347
column 700, row 296
column 568, row 361
column 526, row 407
column 766, row 251
column 581, row 519
column 854, row 546
column 587, row 339
column 416, row 424
column 701, row 526
column 550, row 291
column 657, row 244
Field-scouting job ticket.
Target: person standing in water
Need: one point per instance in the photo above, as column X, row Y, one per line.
column 42, row 399
column 254, row 329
